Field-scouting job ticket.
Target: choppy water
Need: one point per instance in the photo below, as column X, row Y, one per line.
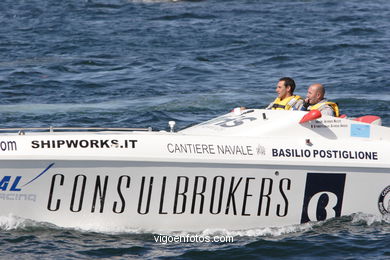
column 352, row 237
column 142, row 63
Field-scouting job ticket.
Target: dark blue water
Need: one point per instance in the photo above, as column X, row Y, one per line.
column 142, row 63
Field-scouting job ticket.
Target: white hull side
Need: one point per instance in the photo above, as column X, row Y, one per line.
column 169, row 196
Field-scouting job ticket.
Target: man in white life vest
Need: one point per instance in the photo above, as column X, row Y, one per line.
column 315, row 99
column 286, row 99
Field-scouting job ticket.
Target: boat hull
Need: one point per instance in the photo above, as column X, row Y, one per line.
column 259, row 168
column 169, row 196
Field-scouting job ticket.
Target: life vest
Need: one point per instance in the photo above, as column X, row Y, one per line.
column 285, row 104
column 333, row 105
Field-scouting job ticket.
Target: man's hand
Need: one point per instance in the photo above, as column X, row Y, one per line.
column 306, row 103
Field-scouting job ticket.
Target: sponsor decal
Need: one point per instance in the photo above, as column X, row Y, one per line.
column 18, row 196
column 329, row 154
column 229, row 121
column 260, row 150
column 384, row 201
column 329, row 123
column 323, row 198
column 8, row 146
column 236, row 121
column 83, row 143
column 218, row 195
column 359, row 130
column 11, row 187
column 210, row 149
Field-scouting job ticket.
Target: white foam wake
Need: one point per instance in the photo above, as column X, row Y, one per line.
column 370, row 219
column 11, row 222
column 257, row 232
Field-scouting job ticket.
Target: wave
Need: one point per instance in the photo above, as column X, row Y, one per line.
column 178, row 102
column 160, row 1
column 15, row 223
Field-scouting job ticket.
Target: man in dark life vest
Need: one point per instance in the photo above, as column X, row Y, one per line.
column 286, row 99
column 315, row 99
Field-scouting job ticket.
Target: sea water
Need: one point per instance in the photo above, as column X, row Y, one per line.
column 134, row 63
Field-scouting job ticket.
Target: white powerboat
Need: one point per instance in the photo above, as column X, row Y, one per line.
column 246, row 169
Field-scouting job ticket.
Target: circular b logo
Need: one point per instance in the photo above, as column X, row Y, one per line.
column 384, row 201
